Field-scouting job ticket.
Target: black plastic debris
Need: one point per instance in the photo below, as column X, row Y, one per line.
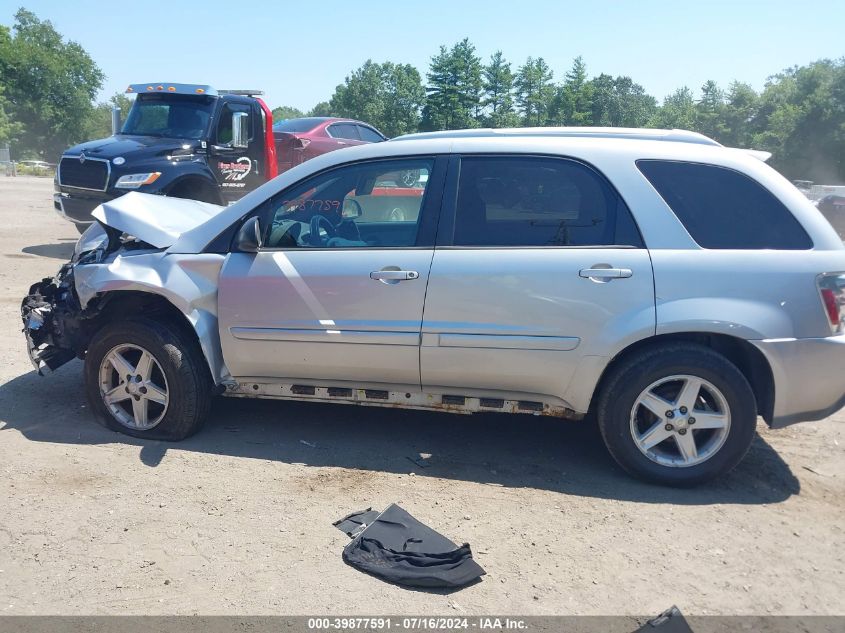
column 394, row 546
column 670, row 621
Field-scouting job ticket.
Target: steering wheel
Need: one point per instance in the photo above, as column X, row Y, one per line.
column 317, row 222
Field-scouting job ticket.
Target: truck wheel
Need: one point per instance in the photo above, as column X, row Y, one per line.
column 147, row 379
column 678, row 415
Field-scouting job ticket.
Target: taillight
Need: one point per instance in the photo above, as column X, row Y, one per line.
column 832, row 291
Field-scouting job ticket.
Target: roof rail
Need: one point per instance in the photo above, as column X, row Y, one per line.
column 243, row 93
column 644, row 134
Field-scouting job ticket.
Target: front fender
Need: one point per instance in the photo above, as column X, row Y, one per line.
column 188, row 282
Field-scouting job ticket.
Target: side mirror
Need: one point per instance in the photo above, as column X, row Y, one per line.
column 351, row 209
column 115, row 121
column 248, row 238
column 240, row 130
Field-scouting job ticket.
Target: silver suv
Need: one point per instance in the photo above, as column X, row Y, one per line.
column 670, row 288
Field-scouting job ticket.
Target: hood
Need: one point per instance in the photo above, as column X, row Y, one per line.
column 134, row 146
column 156, row 220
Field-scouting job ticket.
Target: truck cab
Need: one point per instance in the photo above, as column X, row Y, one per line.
column 180, row 140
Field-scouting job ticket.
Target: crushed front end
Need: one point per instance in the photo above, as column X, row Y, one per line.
column 52, row 321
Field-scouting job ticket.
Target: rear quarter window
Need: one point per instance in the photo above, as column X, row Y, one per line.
column 724, row 209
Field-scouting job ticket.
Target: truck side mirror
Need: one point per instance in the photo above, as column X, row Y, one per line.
column 240, row 130
column 248, row 238
column 115, row 121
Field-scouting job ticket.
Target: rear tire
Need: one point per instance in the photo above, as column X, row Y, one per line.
column 165, row 398
column 681, row 445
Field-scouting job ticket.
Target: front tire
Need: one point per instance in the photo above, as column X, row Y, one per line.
column 677, row 415
column 147, row 379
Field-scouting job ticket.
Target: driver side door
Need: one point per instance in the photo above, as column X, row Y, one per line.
column 335, row 293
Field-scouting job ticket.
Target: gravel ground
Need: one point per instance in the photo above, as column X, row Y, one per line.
column 239, row 518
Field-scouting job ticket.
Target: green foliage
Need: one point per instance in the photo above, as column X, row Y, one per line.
column 620, row 102
column 801, row 120
column 498, row 93
column 454, row 89
column 286, row 112
column 678, row 111
column 322, row 109
column 573, row 101
column 388, row 96
column 50, row 85
column 99, row 125
column 9, row 130
column 534, row 91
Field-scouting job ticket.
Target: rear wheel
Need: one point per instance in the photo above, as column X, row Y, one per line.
column 677, row 415
column 147, row 379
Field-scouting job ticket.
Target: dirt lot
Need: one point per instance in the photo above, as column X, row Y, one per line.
column 239, row 518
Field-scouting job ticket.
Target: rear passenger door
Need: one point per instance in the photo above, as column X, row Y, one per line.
column 539, row 268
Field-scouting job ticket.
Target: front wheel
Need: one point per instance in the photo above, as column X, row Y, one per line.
column 678, row 415
column 147, row 379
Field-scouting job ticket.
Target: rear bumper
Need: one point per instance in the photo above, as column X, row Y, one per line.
column 809, row 377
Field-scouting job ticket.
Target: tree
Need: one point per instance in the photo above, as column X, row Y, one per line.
column 534, row 90
column 100, row 124
column 677, row 111
column 573, row 101
column 51, row 84
column 9, row 130
column 454, row 89
column 388, row 96
column 286, row 112
column 620, row 102
column 321, row 109
column 740, row 115
column 710, row 111
column 802, row 121
column 498, row 93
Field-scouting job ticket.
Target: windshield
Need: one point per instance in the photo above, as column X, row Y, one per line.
column 297, row 125
column 172, row 116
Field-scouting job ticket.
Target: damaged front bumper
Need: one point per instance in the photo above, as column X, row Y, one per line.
column 49, row 321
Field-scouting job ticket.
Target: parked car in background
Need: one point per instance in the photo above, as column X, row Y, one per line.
column 833, row 208
column 298, row 140
column 673, row 288
column 37, row 164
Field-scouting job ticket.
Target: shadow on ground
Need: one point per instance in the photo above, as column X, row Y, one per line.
column 512, row 451
column 57, row 251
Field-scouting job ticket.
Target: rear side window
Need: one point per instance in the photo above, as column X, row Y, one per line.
column 724, row 209
column 538, row 201
column 344, row 130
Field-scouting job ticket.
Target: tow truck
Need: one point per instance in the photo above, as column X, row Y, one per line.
column 180, row 140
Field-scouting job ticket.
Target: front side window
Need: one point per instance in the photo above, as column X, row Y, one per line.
column 224, row 124
column 537, row 201
column 724, row 209
column 355, row 206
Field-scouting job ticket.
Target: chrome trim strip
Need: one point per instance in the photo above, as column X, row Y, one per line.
column 325, row 336
column 102, row 160
column 508, row 341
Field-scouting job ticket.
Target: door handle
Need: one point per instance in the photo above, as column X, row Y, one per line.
column 394, row 275
column 605, row 274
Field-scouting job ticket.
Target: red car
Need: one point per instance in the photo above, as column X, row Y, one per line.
column 297, row 140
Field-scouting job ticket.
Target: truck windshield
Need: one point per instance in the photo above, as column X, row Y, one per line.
column 172, row 116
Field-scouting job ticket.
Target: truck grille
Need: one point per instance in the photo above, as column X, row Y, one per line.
column 93, row 173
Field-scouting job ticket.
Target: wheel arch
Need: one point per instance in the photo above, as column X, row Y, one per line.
column 748, row 359
column 125, row 304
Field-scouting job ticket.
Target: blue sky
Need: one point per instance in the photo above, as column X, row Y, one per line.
column 297, row 52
